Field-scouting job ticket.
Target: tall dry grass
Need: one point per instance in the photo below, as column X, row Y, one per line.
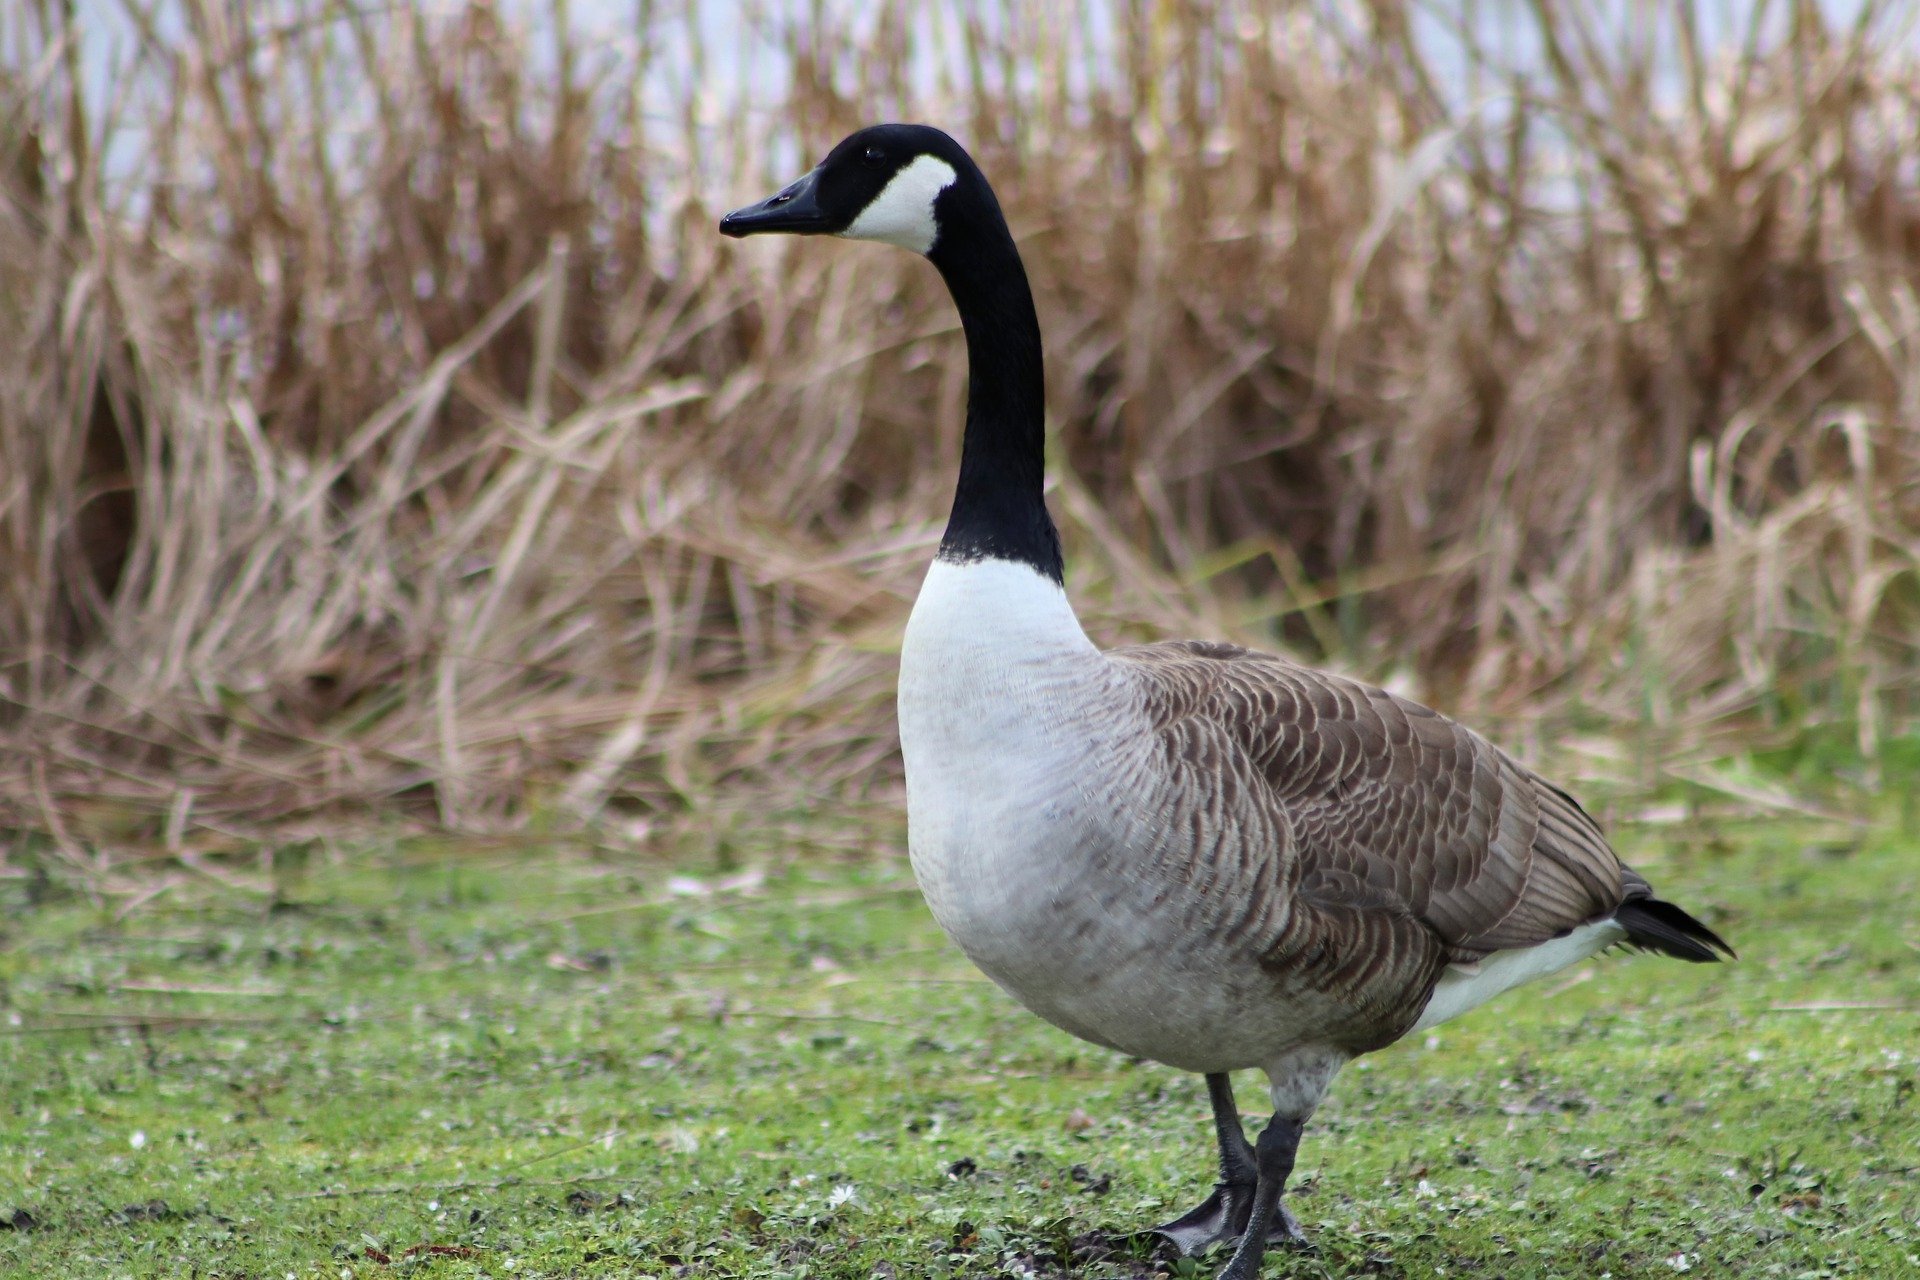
column 385, row 433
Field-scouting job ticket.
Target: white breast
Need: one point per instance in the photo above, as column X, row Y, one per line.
column 1032, row 826
column 999, row 692
column 1004, row 707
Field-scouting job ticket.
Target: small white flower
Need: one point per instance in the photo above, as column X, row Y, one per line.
column 1754, row 1055
column 844, row 1194
column 138, row 1140
column 1680, row 1262
column 1425, row 1190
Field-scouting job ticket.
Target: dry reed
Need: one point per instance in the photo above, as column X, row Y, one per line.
column 385, row 434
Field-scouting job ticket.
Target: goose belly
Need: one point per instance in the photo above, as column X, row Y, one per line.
column 1024, row 791
column 1051, row 903
column 1115, row 979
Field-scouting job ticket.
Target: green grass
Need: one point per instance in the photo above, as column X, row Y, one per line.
column 478, row 1064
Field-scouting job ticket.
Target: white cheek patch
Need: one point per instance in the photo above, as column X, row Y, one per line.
column 902, row 213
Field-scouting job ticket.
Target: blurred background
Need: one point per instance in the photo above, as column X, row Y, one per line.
column 387, row 439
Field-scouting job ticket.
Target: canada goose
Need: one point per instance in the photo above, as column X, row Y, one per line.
column 1188, row 851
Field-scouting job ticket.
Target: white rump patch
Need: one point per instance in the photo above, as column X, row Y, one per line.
column 1468, row 986
column 902, row 213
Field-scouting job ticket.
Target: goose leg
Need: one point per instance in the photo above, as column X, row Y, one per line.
column 1273, row 1157
column 1222, row 1217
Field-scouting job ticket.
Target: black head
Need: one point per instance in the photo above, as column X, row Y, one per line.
column 913, row 186
column 896, row 183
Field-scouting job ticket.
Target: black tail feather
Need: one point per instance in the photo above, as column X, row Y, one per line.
column 1656, row 925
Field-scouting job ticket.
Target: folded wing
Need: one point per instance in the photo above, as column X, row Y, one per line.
column 1389, row 807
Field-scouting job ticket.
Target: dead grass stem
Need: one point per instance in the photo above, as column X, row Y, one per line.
column 386, row 434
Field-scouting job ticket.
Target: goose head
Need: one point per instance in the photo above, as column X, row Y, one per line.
column 902, row 184
column 913, row 186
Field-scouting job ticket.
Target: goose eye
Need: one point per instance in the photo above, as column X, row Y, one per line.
column 874, row 155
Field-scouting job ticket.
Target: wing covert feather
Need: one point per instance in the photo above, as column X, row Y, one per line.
column 1388, row 806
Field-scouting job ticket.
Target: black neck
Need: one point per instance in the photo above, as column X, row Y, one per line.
column 998, row 508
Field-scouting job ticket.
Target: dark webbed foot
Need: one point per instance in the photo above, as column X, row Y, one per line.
column 1274, row 1156
column 1286, row 1230
column 1222, row 1218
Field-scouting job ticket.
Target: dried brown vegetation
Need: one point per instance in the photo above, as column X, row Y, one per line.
column 385, row 432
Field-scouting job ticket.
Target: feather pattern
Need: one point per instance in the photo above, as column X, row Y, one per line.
column 1414, row 844
column 1213, row 856
column 1187, row 851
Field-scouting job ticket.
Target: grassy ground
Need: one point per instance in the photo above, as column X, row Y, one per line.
column 447, row 1062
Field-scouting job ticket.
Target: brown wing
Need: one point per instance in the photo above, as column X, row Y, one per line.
column 1393, row 809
